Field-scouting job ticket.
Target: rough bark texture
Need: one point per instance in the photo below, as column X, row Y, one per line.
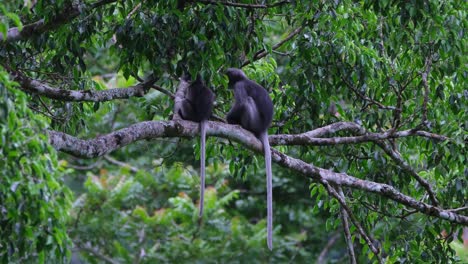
column 155, row 129
column 69, row 13
column 40, row 88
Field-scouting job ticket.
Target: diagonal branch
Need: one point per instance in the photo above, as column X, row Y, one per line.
column 41, row 88
column 349, row 242
column 263, row 53
column 360, row 229
column 69, row 13
column 330, row 243
column 403, row 164
column 155, row 129
column 96, row 253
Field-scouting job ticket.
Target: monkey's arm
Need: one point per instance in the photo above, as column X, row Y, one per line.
column 235, row 114
column 186, row 110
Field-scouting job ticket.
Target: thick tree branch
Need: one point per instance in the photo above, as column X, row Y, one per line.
column 68, row 14
column 179, row 97
column 347, row 231
column 310, row 138
column 40, row 88
column 153, row 129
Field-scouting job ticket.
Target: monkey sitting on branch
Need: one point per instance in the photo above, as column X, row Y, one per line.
column 196, row 105
column 253, row 110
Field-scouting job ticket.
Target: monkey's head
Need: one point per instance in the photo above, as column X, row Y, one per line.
column 235, row 75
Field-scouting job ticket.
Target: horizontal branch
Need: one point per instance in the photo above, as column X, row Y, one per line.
column 154, row 129
column 311, row 137
column 40, row 26
column 30, row 85
column 242, row 5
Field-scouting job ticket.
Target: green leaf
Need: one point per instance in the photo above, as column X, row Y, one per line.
column 16, row 19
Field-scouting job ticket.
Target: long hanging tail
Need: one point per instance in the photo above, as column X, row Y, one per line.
column 266, row 149
column 202, row 166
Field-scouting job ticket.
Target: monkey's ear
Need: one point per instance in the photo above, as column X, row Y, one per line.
column 186, row 76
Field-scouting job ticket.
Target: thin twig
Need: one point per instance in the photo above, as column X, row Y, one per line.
column 262, row 53
column 324, row 252
column 97, row 254
column 367, row 98
column 346, row 230
column 134, row 10
column 458, row 209
column 242, row 5
column 424, row 75
column 84, row 168
column 121, row 164
column 404, row 165
column 341, row 200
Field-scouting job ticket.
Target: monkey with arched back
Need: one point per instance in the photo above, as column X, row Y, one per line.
column 253, row 110
column 197, row 106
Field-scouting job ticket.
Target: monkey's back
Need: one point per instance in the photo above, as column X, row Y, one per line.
column 263, row 103
column 201, row 98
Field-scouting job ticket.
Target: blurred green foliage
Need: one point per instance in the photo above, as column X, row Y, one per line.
column 34, row 202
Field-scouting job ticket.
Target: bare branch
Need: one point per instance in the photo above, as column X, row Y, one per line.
column 97, row 254
column 121, row 164
column 154, row 129
column 133, row 10
column 323, row 254
column 68, row 14
column 458, row 209
column 38, row 87
column 179, row 97
column 309, row 138
column 156, row 87
column 242, row 5
column 348, row 238
column 84, row 168
column 344, row 206
column 367, row 98
column 404, row 165
column 262, row 53
column 424, row 75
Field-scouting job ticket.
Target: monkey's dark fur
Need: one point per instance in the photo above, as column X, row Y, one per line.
column 197, row 106
column 198, row 102
column 253, row 110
